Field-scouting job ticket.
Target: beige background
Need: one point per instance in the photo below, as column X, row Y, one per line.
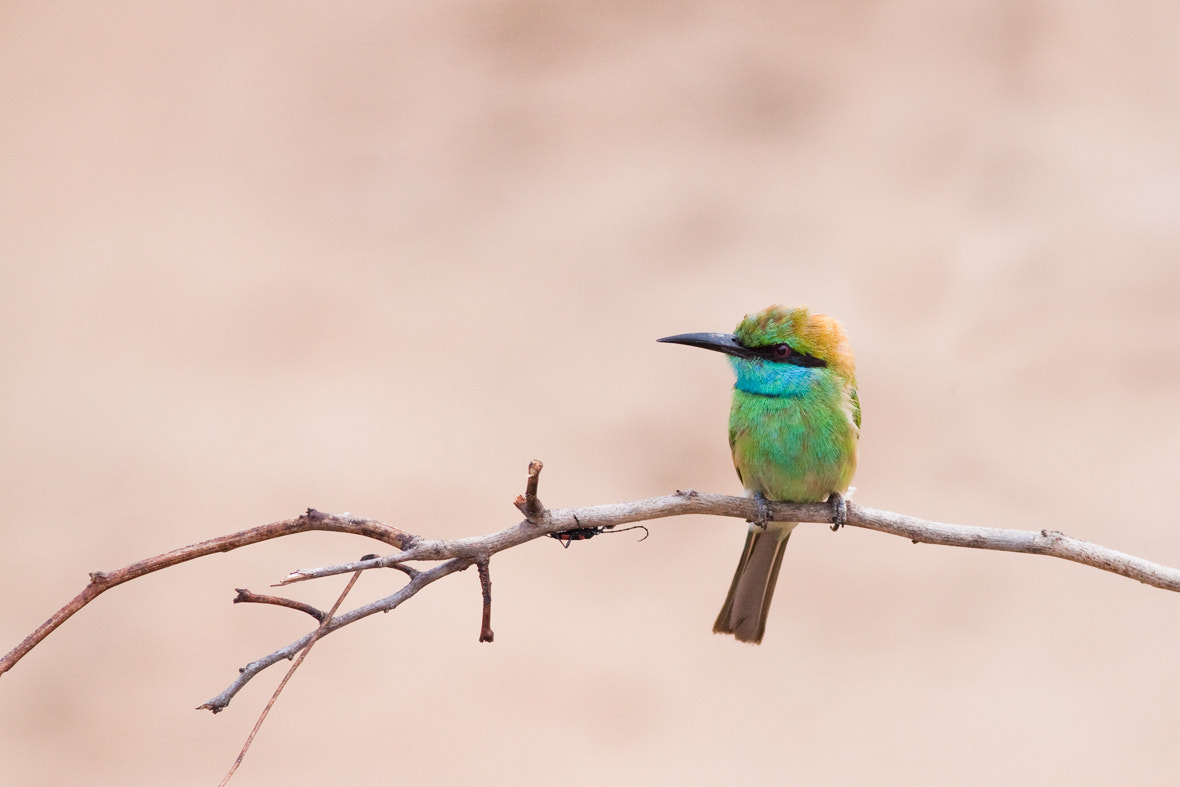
column 375, row 257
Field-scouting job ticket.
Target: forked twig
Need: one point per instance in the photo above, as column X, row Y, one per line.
column 315, row 635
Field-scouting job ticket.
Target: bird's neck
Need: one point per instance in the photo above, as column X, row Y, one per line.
column 765, row 378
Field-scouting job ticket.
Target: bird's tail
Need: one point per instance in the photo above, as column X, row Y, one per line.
column 748, row 602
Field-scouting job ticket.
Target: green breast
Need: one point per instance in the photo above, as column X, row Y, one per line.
column 797, row 448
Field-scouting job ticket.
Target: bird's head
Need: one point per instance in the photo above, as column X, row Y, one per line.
column 780, row 351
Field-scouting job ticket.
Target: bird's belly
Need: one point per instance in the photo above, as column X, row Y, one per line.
column 791, row 453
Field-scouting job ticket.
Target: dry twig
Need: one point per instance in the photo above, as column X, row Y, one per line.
column 315, row 635
column 249, row 597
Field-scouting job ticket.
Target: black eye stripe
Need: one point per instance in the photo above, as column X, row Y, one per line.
column 769, row 352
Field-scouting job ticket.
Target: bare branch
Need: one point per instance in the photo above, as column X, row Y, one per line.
column 458, row 554
column 485, row 582
column 101, row 581
column 248, row 597
column 1043, row 542
column 315, row 635
column 477, row 550
column 409, row 590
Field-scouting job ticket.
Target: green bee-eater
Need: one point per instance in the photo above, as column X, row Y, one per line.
column 793, row 430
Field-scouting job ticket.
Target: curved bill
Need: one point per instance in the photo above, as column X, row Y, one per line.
column 720, row 342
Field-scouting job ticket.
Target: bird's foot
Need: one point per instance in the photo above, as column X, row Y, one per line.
column 839, row 510
column 763, row 511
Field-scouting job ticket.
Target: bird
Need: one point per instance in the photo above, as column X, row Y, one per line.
column 794, row 431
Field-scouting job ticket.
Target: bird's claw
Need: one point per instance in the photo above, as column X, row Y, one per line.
column 763, row 511
column 839, row 510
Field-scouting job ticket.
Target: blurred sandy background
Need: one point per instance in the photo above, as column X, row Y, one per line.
column 375, row 257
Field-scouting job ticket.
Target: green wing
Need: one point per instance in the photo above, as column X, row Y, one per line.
column 855, row 408
column 732, row 440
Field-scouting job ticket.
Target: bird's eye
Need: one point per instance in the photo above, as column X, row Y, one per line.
column 782, row 351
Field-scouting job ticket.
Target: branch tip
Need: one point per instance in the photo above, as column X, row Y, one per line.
column 485, row 581
column 528, row 504
column 246, row 596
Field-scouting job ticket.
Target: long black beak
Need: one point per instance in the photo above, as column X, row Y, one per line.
column 720, row 342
